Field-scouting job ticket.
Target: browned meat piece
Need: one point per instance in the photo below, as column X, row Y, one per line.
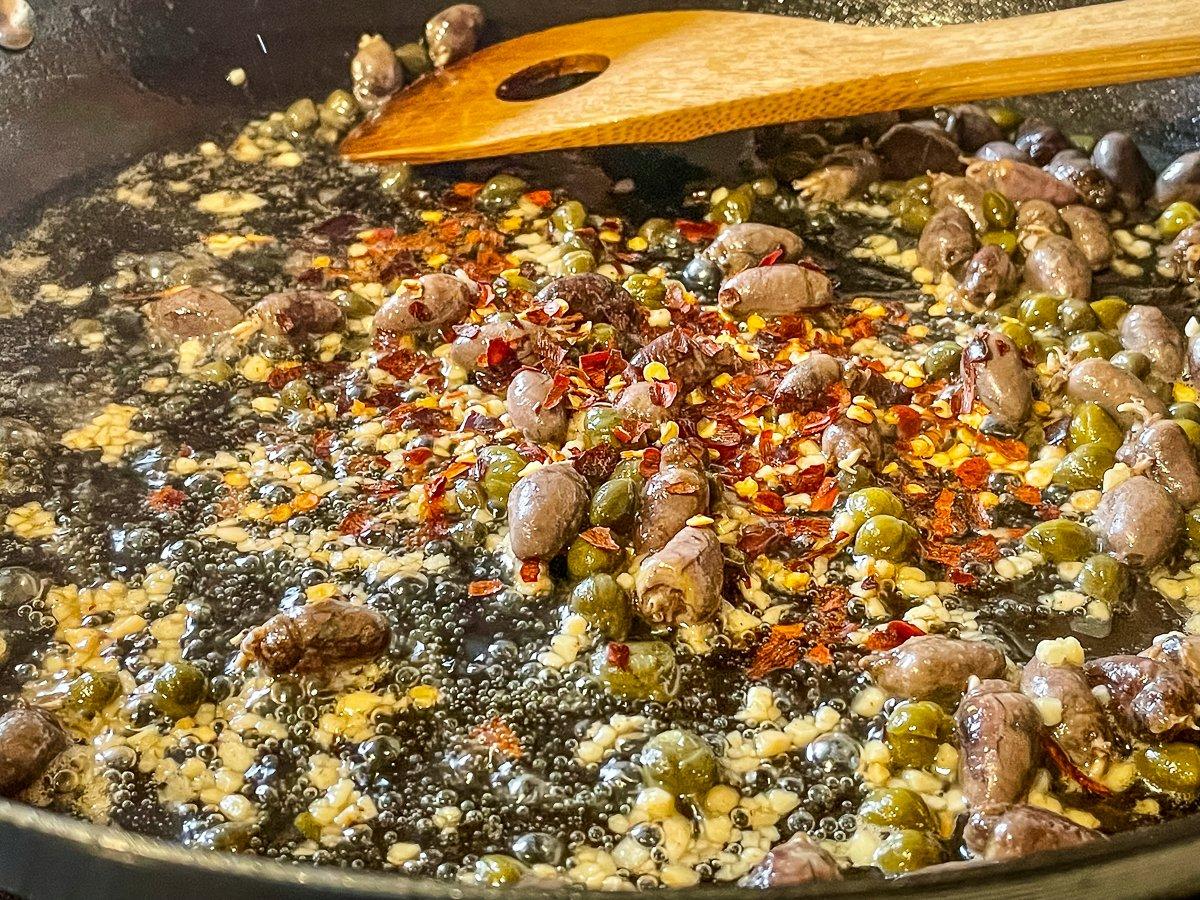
column 1121, row 162
column 1042, row 140
column 1163, row 451
column 999, row 739
column 847, row 436
column 907, row 150
column 798, row 860
column 1110, row 386
column 1005, row 832
column 318, row 637
column 1082, row 731
column 947, row 240
column 375, row 71
column 681, row 583
column 1147, row 330
column 30, row 739
column 780, row 290
column 297, row 315
column 1074, row 167
column 471, row 346
column 436, row 302
column 692, row 360
column 453, row 33
column 670, row 497
column 993, row 373
column 931, row 666
column 1091, row 234
column 1019, row 181
column 746, row 244
column 526, row 400
column 1179, row 181
column 955, row 190
column 1055, row 265
column 989, row 277
column 1138, row 522
column 545, row 509
column 807, row 380
column 1182, row 650
column 1149, row 699
column 597, row 299
column 191, row 313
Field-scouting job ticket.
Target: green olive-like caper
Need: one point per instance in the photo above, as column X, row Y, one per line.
column 913, row 213
column 896, row 808
column 907, row 851
column 468, row 495
column 215, row 372
column 89, row 693
column 998, row 210
column 602, row 335
column 355, row 305
column 307, row 824
column 467, row 534
column 1039, row 311
column 918, row 718
column 1006, row 117
column 294, row 394
column 630, row 469
column 395, row 178
column 604, row 603
column 1021, row 336
column 301, row 115
column 414, row 59
column 568, row 216
column 942, row 360
column 1005, row 240
column 1191, row 527
column 647, row 290
column 1172, row 768
column 1192, row 429
column 339, row 110
column 1102, row 578
column 600, row 424
column 868, row 502
column 1132, row 361
column 885, row 537
column 1075, row 316
column 578, row 262
column 658, row 232
column 497, row 869
column 584, row 558
column 637, row 670
column 735, row 207
column 1090, row 424
column 226, row 837
column 614, row 504
column 1185, row 410
column 1109, row 310
column 1084, row 467
column 178, row 689
column 1061, row 540
column 680, row 762
column 1092, row 345
column 1176, row 217
column 501, row 191
column 501, row 470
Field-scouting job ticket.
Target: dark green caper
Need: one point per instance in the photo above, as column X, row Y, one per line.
column 467, row 534
column 1092, row 344
column 998, row 210
column 294, row 394
column 1005, row 117
column 614, row 504
column 918, row 718
column 735, row 207
column 896, row 808
column 600, row 424
column 1005, row 240
column 604, row 603
column 885, row 537
column 867, row 502
column 468, row 495
column 602, row 335
column 1061, row 540
column 1172, row 768
column 225, row 837
column 501, row 470
column 1191, row 525
column 647, row 290
column 301, row 115
column 942, row 360
column 658, row 233
column 501, row 191
column 907, row 851
column 585, row 558
column 1102, row 578
column 1039, row 311
column 1133, row 362
column 1084, row 467
column 178, row 689
column 395, row 178
column 89, row 693
column 637, row 670
column 339, row 110
column 680, row 762
column 913, row 213
column 569, row 216
column 1090, row 424
column 578, row 262
column 1021, row 336
column 413, row 59
column 307, row 824
column 1075, row 316
column 631, row 469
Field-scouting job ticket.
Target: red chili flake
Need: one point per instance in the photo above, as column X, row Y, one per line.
column 539, row 198
column 531, row 452
column 400, row 364
column 694, row 232
column 681, row 487
column 650, row 462
column 322, row 438
column 617, row 656
column 781, row 650
column 498, row 350
column 1067, row 768
column 973, row 473
column 756, row 540
column 631, row 430
column 497, row 734
column 820, row 654
column 417, row 456
column 947, row 520
column 600, row 537
column 596, row 361
column 467, row 188
column 806, row 481
column 484, row 588
column 281, row 376
column 480, row 423
column 773, row 257
column 558, row 390
column 769, row 500
column 597, row 463
column 531, row 570
column 356, row 523
column 1009, row 448
column 166, row 498
column 891, row 635
column 1028, row 494
column 824, row 499
column 663, row 393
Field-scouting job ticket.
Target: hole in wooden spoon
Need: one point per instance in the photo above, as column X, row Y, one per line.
column 554, row 76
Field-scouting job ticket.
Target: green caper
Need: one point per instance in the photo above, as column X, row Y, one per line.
column 1185, row 410
column 1075, row 316
column 569, row 216
column 214, row 372
column 631, row 469
column 998, row 210
column 584, row 558
column 907, row 851
column 496, row 869
column 637, row 670
column 600, row 424
column 1005, row 240
column 942, row 360
column 1176, row 217
column 339, row 110
column 307, row 824
column 414, row 60
column 294, row 394
column 1135, row 363
column 301, row 115
column 854, row 479
column 764, row 186
column 89, row 693
column 578, row 262
column 1109, row 310
column 680, row 762
column 614, row 504
column 896, row 808
column 1191, row 526
column 647, row 290
column 574, row 242
column 1039, row 311
column 225, row 837
column 178, row 689
column 604, row 603
column 912, row 752
column 1102, row 578
column 1192, row 429
column 735, row 207
column 1005, row 117
column 355, row 305
column 395, row 178
column 885, row 537
column 1061, row 540
column 501, row 470
column 1093, row 344
column 919, row 186
column 602, row 335
column 1084, row 467
column 872, row 501
column 501, row 191
column 1090, row 424
column 1172, row 768
column 1021, row 336
column 913, row 213
column 918, row 718
column 658, row 232
column 467, row 534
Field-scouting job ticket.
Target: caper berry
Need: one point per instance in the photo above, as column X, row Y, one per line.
column 604, row 603
column 584, row 558
column 1109, row 310
column 885, row 537
column 89, row 693
column 1084, row 467
column 896, row 808
column 178, row 689
column 998, row 210
column 907, row 851
column 614, row 504
column 1102, row 578
column 1172, row 768
column 1061, row 540
column 680, row 762
column 637, row 670
column 1176, row 217
column 647, row 290
column 942, row 360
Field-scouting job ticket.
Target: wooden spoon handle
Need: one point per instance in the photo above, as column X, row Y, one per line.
column 674, row 76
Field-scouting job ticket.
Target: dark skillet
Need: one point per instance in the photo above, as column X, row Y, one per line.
column 108, row 81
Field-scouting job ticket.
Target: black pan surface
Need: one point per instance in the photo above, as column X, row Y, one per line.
column 108, row 81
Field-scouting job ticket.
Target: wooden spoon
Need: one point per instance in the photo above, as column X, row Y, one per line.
column 673, row 76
